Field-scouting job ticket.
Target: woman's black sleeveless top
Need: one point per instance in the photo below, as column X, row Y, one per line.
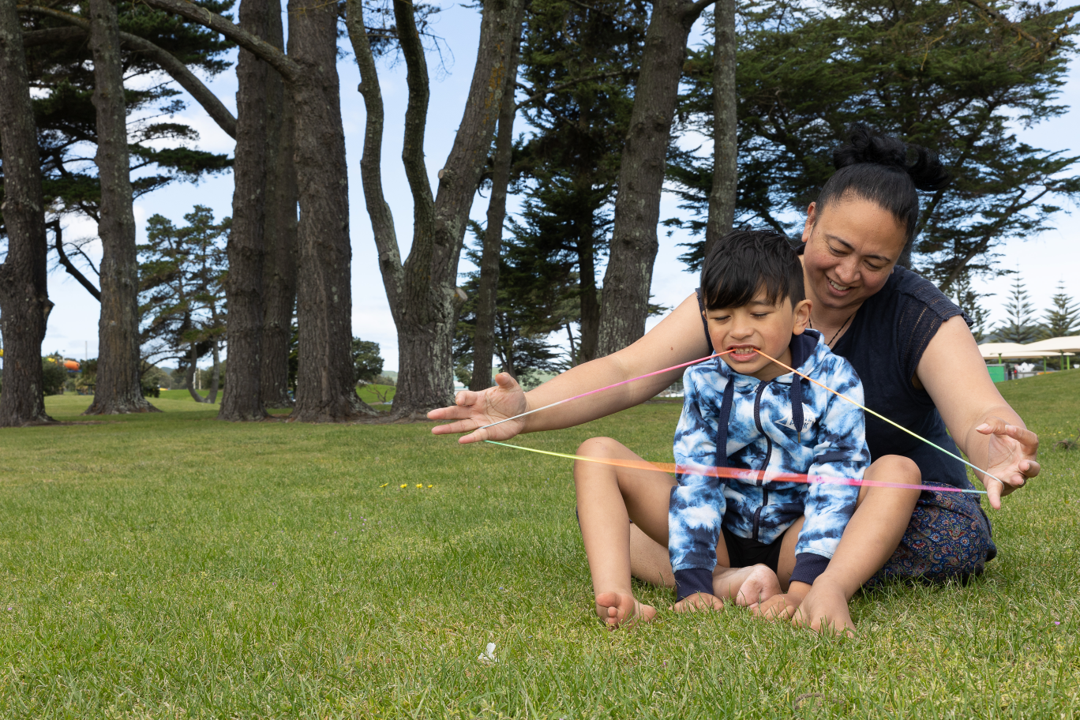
column 885, row 343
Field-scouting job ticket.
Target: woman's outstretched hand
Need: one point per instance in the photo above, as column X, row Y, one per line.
column 1011, row 458
column 472, row 410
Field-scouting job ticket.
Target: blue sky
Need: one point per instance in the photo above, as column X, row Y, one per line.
column 1042, row 261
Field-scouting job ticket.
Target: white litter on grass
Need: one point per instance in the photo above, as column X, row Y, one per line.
column 488, row 656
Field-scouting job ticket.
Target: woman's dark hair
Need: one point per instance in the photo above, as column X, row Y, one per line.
column 886, row 171
column 745, row 261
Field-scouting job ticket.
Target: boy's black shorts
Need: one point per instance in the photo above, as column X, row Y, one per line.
column 744, row 553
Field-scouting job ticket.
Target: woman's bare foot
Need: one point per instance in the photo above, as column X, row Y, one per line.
column 617, row 609
column 760, row 585
column 825, row 610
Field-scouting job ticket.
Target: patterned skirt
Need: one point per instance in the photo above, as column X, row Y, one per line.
column 948, row 538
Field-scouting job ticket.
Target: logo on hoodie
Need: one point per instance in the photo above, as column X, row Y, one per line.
column 809, row 420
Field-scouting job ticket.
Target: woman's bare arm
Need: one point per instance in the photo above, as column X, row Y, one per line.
column 679, row 338
column 984, row 426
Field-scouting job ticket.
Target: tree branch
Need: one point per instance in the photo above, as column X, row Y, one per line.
column 382, row 219
column 290, row 71
column 1045, row 47
column 412, row 153
column 73, row 271
column 164, row 59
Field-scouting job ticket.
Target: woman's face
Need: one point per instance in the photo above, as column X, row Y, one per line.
column 851, row 249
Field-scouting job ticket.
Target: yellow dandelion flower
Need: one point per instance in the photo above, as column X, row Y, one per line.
column 431, row 486
column 384, row 485
column 419, row 485
column 404, row 485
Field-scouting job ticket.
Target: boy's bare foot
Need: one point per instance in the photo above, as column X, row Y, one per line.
column 825, row 610
column 760, row 585
column 617, row 609
column 699, row 601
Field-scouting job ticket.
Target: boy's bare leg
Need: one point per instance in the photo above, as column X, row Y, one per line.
column 868, row 542
column 607, row 498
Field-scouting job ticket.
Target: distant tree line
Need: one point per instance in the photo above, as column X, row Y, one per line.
column 610, row 101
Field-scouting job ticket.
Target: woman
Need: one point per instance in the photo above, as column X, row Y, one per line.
column 919, row 364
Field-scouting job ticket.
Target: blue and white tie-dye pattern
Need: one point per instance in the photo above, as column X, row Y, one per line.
column 762, row 435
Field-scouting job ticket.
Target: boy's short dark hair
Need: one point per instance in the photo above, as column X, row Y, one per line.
column 745, row 261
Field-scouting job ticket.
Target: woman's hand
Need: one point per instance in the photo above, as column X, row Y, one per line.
column 1010, row 458
column 473, row 410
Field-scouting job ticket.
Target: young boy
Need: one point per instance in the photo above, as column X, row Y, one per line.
column 737, row 538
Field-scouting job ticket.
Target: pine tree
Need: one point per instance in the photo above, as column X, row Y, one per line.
column 932, row 72
column 182, row 271
column 1062, row 319
column 1020, row 325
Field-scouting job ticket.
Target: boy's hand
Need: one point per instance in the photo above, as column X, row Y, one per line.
column 782, row 606
column 699, row 601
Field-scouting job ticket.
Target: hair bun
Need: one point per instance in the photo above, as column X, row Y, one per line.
column 866, row 145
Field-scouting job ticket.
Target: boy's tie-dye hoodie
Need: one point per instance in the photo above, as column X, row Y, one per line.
column 786, row 425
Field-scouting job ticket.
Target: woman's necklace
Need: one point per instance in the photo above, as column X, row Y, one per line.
column 840, row 330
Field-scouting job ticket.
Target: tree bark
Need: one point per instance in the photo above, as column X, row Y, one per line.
column 118, row 389
column 422, row 291
column 725, row 125
column 587, row 297
column 483, row 340
column 24, row 298
column 279, row 269
column 641, row 175
column 215, row 373
column 247, row 242
column 325, row 391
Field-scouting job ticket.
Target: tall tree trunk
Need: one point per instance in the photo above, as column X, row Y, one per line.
column 483, row 340
column 422, row 291
column 247, row 243
column 215, row 373
column 190, row 374
column 24, row 298
column 641, row 175
column 118, row 389
column 325, row 391
column 725, row 126
column 279, row 270
column 587, row 296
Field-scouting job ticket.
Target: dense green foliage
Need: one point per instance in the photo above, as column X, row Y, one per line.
column 182, row 275
column 53, row 375
column 367, row 362
column 62, row 84
column 934, row 72
column 167, row 565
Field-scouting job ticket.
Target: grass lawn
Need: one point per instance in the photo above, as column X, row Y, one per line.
column 170, row 565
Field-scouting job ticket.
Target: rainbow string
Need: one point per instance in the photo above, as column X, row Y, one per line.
column 738, row 473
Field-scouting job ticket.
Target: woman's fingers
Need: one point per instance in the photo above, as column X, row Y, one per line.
column 1012, row 458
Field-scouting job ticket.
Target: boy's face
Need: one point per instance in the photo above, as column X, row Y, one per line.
column 760, row 325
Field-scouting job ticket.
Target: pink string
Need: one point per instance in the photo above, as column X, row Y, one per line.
column 606, row 387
